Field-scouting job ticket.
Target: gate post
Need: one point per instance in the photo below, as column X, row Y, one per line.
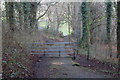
column 44, row 52
column 77, row 51
column 74, row 54
column 59, row 50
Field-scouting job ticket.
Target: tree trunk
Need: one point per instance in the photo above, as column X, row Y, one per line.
column 10, row 15
column 108, row 26
column 32, row 17
column 69, row 20
column 20, row 14
column 27, row 15
column 118, row 35
column 84, row 24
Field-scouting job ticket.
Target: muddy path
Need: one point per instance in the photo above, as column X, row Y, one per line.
column 48, row 67
column 62, row 67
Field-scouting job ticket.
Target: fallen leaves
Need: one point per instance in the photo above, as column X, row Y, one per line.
column 16, row 66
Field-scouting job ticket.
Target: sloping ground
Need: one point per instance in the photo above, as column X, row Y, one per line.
column 18, row 65
column 101, row 52
column 97, row 65
column 17, row 61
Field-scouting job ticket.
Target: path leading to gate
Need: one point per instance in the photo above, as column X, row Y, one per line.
column 62, row 67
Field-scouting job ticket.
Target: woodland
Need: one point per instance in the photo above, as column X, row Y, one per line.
column 94, row 26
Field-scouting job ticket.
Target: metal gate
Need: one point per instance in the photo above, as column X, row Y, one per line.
column 54, row 48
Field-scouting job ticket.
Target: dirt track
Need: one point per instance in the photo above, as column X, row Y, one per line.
column 63, row 68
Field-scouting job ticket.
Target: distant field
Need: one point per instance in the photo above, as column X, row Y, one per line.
column 43, row 24
column 63, row 28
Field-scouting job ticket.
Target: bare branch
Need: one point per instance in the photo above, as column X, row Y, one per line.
column 43, row 13
column 39, row 2
column 46, row 11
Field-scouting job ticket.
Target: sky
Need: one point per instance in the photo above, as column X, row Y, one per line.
column 59, row 0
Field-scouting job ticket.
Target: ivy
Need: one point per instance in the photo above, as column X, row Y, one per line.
column 84, row 11
column 108, row 25
column 108, row 14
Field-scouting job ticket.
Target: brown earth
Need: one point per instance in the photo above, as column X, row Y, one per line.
column 97, row 65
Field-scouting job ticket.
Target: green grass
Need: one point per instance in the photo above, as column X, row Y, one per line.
column 43, row 24
column 64, row 29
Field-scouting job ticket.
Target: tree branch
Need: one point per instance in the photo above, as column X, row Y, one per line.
column 45, row 11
